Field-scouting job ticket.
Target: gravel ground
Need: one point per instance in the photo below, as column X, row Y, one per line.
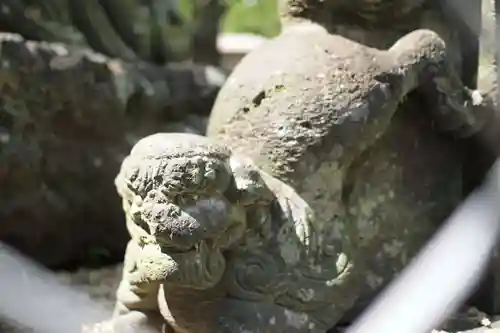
column 100, row 284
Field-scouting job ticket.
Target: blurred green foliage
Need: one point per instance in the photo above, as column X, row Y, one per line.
column 252, row 16
column 245, row 16
column 157, row 31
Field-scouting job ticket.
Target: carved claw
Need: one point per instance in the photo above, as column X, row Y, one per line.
column 465, row 113
column 475, row 96
column 422, row 63
column 300, row 215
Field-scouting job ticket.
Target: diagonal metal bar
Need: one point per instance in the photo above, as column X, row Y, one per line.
column 442, row 276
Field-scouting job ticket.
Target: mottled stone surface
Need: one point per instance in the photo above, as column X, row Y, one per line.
column 410, row 169
column 356, row 131
column 220, row 239
column 217, row 244
column 68, row 116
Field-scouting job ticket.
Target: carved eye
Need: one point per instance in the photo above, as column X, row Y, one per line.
column 136, row 217
column 186, row 199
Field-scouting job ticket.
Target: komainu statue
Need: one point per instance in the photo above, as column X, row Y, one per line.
column 407, row 177
column 303, row 204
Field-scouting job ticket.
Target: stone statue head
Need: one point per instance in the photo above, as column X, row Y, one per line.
column 303, row 8
column 328, row 12
column 185, row 196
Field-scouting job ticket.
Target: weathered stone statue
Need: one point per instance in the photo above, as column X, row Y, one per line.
column 412, row 160
column 221, row 242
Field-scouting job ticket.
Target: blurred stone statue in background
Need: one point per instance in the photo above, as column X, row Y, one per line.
column 81, row 81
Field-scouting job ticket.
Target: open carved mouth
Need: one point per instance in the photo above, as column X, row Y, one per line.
column 199, row 268
column 175, row 250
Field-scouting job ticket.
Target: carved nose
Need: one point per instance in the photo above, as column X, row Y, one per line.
column 186, row 227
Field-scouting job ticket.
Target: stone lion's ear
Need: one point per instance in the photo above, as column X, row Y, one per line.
column 250, row 185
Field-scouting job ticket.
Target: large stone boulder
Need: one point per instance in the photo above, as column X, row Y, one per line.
column 68, row 116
